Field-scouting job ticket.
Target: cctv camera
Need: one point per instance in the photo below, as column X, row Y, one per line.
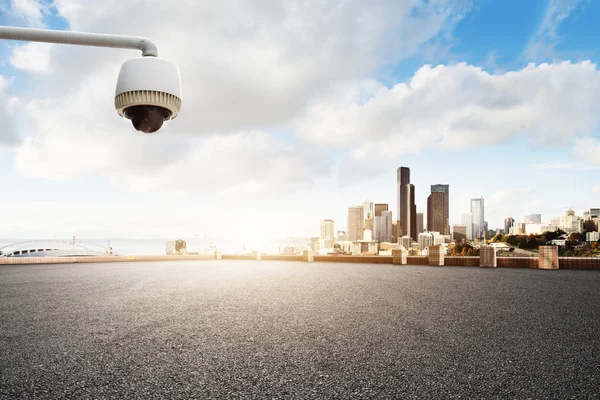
column 148, row 93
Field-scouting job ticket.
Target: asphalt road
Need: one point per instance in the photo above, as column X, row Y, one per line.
column 251, row 329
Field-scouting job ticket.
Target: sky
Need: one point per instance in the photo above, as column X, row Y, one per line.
column 294, row 111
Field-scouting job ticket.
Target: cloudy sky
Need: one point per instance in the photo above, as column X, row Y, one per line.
column 294, row 111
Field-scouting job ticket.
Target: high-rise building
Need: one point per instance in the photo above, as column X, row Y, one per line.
column 441, row 213
column 356, row 223
column 426, row 239
column 406, row 242
column 369, row 209
column 477, row 209
column 395, row 231
column 382, row 224
column 467, row 221
column 379, row 208
column 533, row 219
column 508, row 223
column 420, row 226
column 438, row 209
column 459, row 232
column 591, row 213
column 407, row 210
column 327, row 231
column 591, row 219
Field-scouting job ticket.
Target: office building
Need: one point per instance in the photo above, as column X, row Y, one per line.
column 591, row 213
column 382, row 231
column 477, row 209
column 441, row 209
column 327, row 231
column 438, row 209
column 592, row 236
column 356, row 223
column 467, row 221
column 533, row 219
column 508, row 223
column 369, row 209
column 459, row 232
column 379, row 208
column 406, row 242
column 420, row 226
column 426, row 239
column 407, row 210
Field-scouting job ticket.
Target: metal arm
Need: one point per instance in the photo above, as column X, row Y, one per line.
column 147, row 46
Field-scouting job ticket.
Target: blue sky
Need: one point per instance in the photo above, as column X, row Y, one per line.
column 292, row 114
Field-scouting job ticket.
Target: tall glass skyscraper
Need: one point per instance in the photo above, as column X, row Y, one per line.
column 407, row 209
column 477, row 210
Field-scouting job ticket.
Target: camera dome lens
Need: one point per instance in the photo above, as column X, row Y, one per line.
column 147, row 119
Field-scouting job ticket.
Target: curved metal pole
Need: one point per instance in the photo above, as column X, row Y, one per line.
column 147, row 46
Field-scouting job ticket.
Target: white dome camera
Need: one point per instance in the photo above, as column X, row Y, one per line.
column 148, row 93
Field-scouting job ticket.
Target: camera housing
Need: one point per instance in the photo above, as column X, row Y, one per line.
column 148, row 93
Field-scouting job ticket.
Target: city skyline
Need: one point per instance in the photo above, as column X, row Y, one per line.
column 324, row 113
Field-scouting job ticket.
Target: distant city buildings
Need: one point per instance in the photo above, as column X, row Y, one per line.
column 592, row 236
column 459, row 232
column 327, row 231
column 438, row 209
column 356, row 223
column 379, row 208
column 477, row 209
column 383, row 225
column 407, row 210
column 533, row 219
column 369, row 211
column 467, row 221
column 420, row 226
column 508, row 224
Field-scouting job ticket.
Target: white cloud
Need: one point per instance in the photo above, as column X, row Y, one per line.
column 32, row 11
column 588, row 149
column 32, row 57
column 453, row 107
column 546, row 38
column 249, row 67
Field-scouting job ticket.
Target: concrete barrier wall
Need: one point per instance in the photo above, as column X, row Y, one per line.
column 239, row 257
column 356, row 259
column 417, row 260
column 518, row 262
column 579, row 263
column 587, row 263
column 462, row 261
column 277, row 257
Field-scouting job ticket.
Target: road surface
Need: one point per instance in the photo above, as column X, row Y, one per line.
column 252, row 329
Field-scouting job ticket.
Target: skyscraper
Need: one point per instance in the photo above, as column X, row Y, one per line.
column 382, row 225
column 379, row 208
column 533, row 219
column 327, row 231
column 407, row 210
column 368, row 209
column 508, row 223
column 467, row 221
column 438, row 209
column 356, row 223
column 420, row 226
column 477, row 210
